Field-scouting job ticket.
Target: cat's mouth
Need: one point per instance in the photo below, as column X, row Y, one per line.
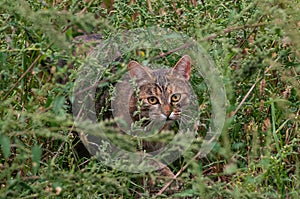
column 174, row 116
column 171, row 117
column 164, row 118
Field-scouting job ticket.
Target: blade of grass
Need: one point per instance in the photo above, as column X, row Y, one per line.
column 273, row 125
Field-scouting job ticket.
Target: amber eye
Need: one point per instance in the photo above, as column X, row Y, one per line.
column 175, row 97
column 152, row 100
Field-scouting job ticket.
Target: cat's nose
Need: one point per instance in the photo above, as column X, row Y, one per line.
column 166, row 110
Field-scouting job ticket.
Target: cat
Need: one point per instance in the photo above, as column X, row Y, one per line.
column 159, row 99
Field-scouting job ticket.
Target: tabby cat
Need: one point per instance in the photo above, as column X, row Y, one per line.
column 160, row 98
column 163, row 99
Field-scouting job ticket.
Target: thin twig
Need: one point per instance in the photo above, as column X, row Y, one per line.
column 210, row 37
column 231, row 29
column 149, row 5
column 180, row 172
column 175, row 176
column 171, row 51
column 95, row 85
column 245, row 97
column 25, row 73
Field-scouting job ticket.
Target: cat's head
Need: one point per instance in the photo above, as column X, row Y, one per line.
column 162, row 94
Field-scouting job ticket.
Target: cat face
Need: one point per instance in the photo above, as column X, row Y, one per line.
column 162, row 94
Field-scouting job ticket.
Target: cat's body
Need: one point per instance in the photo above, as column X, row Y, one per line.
column 163, row 98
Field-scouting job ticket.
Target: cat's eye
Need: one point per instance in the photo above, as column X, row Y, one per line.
column 152, row 100
column 175, row 97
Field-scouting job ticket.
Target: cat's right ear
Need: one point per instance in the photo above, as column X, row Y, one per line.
column 183, row 67
column 138, row 71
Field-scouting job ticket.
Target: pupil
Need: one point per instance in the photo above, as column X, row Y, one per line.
column 175, row 97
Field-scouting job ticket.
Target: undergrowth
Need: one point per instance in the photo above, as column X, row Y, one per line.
column 255, row 46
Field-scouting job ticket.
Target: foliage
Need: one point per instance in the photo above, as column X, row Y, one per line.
column 255, row 45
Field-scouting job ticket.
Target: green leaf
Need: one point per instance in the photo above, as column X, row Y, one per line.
column 58, row 104
column 36, row 157
column 48, row 102
column 5, row 145
column 3, row 58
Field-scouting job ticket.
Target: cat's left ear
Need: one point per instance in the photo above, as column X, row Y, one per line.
column 138, row 71
column 183, row 67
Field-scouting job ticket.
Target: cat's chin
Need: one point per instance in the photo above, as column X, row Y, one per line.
column 158, row 117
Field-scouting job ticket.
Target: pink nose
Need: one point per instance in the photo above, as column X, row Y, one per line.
column 166, row 110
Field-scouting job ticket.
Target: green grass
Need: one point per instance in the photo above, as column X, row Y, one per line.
column 255, row 46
